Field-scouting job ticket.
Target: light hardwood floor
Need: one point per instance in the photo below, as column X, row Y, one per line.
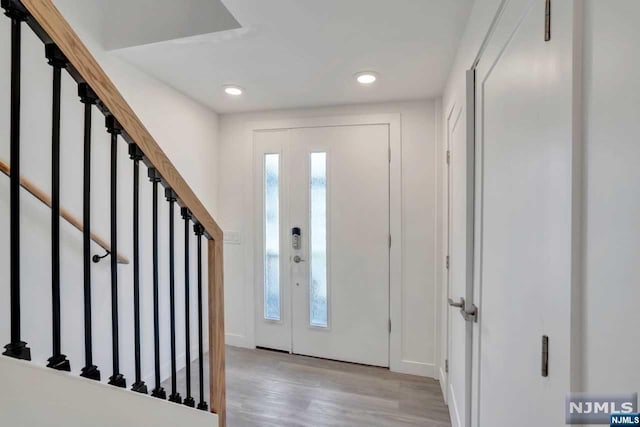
column 271, row 389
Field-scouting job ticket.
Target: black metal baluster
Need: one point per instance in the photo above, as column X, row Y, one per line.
column 114, row 128
column 136, row 155
column 199, row 230
column 16, row 348
column 58, row 61
column 158, row 391
column 186, row 215
column 88, row 98
column 172, row 198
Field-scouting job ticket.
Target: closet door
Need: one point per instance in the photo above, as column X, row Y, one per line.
column 524, row 216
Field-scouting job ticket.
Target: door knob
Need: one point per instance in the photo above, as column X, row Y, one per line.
column 297, row 259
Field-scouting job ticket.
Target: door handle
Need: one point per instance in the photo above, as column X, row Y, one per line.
column 297, row 259
column 468, row 315
column 460, row 304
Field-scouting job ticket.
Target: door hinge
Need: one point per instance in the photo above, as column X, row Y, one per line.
column 446, row 366
column 545, row 356
column 389, row 240
column 547, row 21
column 389, row 325
column 389, row 155
column 448, row 157
column 447, row 262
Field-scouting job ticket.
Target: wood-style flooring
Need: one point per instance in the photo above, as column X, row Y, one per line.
column 271, row 389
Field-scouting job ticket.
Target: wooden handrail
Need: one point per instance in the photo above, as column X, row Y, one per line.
column 83, row 65
column 44, row 198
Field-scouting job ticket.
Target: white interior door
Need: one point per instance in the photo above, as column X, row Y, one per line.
column 334, row 186
column 524, row 132
column 459, row 330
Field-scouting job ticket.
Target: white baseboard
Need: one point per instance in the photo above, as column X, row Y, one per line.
column 236, row 340
column 443, row 384
column 412, row 367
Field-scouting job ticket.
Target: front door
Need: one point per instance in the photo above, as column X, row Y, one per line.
column 323, row 281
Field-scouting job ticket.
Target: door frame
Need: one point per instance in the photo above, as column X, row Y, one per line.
column 253, row 250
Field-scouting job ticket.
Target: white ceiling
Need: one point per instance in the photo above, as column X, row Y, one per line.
column 304, row 53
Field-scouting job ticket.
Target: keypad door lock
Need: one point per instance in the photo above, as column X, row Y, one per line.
column 296, row 238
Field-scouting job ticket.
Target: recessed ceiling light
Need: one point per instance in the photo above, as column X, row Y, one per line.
column 366, row 77
column 233, row 90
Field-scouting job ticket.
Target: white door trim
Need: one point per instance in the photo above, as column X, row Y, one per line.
column 393, row 120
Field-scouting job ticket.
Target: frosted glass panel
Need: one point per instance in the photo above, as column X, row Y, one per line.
column 318, row 280
column 271, row 237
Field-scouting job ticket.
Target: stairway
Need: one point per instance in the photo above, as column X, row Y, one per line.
column 85, row 325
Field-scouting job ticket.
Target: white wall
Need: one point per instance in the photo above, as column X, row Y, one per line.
column 35, row 396
column 186, row 131
column 419, row 129
column 612, row 197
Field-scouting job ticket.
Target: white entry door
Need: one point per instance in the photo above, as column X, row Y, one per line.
column 525, row 141
column 323, row 283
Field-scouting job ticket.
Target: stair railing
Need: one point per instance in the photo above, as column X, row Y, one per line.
column 66, row 52
column 40, row 194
